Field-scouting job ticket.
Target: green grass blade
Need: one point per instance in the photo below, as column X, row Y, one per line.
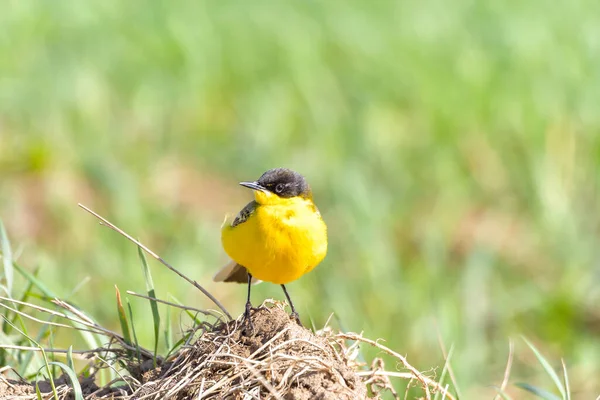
column 548, row 368
column 137, row 346
column 33, row 281
column 541, row 393
column 7, row 260
column 37, row 392
column 72, row 377
column 24, row 365
column 168, row 330
column 50, row 377
column 36, row 282
column 24, row 297
column 70, row 362
column 444, row 371
column 180, row 342
column 52, row 355
column 91, row 339
column 153, row 303
column 15, row 319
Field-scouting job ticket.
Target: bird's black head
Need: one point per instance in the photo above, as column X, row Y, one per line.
column 283, row 182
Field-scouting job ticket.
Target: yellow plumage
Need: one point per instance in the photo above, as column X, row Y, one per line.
column 283, row 239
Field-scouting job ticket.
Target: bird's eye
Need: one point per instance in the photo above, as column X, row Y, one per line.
column 279, row 188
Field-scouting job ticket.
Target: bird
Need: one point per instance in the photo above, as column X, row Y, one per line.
column 277, row 237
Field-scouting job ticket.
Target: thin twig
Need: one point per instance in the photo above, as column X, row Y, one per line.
column 208, row 313
column 108, row 224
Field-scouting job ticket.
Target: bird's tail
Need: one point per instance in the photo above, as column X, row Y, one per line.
column 233, row 272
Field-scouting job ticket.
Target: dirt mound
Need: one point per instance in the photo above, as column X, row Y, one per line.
column 279, row 359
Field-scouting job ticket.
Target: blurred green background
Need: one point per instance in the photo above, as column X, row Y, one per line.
column 453, row 149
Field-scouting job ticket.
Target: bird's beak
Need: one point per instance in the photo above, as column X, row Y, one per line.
column 254, row 186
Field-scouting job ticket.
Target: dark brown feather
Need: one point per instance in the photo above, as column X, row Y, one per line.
column 238, row 275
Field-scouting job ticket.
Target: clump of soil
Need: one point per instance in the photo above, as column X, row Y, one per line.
column 277, row 359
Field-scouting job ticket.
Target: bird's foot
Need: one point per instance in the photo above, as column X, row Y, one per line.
column 296, row 318
column 249, row 327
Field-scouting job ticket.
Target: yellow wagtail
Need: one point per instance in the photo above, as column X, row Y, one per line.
column 277, row 237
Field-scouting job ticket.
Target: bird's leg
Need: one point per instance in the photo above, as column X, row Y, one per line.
column 247, row 320
column 294, row 312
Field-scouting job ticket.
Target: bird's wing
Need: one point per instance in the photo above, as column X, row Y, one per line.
column 244, row 214
column 233, row 272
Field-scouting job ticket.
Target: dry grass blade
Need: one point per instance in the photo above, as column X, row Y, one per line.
column 123, row 317
column 566, row 379
column 425, row 381
column 7, row 259
column 105, row 222
column 57, row 324
column 509, row 361
column 77, row 317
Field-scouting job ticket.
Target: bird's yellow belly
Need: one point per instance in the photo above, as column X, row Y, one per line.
column 278, row 244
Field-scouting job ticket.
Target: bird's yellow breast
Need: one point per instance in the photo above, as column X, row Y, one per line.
column 281, row 240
